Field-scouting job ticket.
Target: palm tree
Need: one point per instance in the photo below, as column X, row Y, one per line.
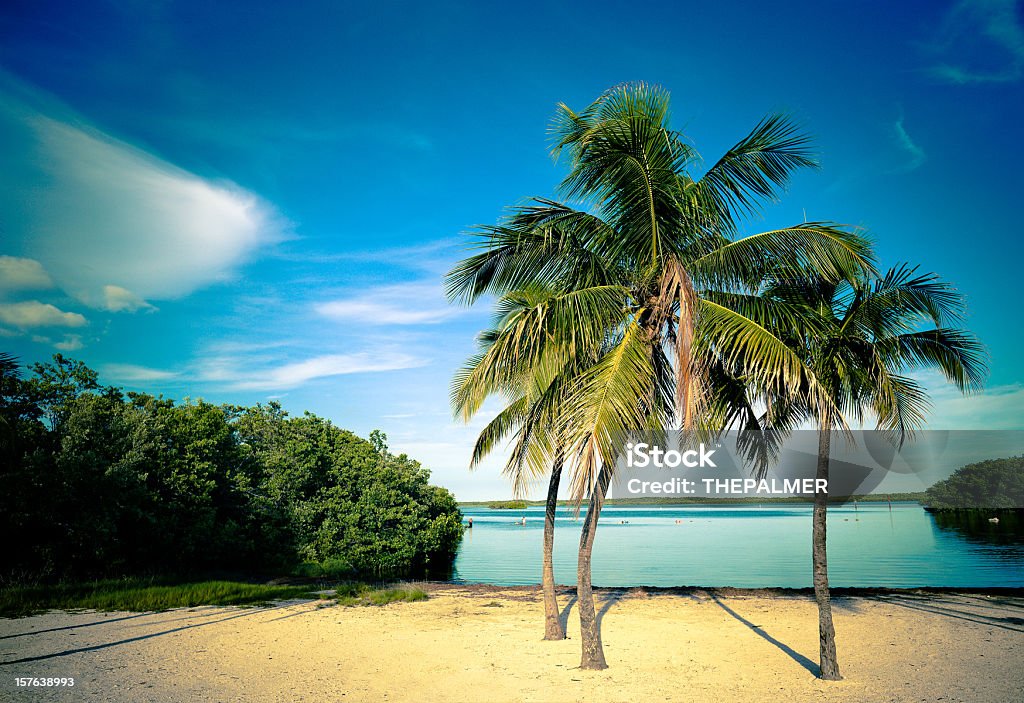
column 865, row 334
column 529, row 416
column 633, row 285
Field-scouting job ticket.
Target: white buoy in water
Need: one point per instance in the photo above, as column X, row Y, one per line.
column 994, row 520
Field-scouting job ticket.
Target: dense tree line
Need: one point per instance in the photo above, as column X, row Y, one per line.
column 991, row 484
column 97, row 482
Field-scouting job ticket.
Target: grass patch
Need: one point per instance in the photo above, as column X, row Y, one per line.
column 361, row 594
column 330, row 569
column 139, row 595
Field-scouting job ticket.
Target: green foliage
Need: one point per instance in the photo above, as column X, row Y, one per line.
column 361, row 594
column 993, row 484
column 138, row 595
column 97, row 484
column 507, row 504
column 328, row 569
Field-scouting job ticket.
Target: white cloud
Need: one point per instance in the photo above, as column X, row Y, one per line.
column 117, row 217
column 253, row 373
column 71, row 342
column 113, row 225
column 23, row 274
column 980, row 41
column 118, row 299
column 133, row 373
column 405, row 304
column 32, row 313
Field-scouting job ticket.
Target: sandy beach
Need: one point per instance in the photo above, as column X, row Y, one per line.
column 483, row 644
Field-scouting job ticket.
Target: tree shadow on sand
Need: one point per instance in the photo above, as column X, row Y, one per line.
column 563, row 617
column 104, row 621
column 140, row 638
column 611, row 598
column 800, row 659
column 957, row 610
column 609, row 601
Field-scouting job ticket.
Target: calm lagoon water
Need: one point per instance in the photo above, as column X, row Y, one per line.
column 747, row 546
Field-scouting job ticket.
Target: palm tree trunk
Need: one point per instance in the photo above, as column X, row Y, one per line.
column 593, row 652
column 828, row 664
column 553, row 629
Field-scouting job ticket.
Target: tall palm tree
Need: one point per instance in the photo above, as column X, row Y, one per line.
column 635, row 282
column 865, row 336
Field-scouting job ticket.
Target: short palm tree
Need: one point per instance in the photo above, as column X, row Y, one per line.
column 530, row 417
column 865, row 335
column 636, row 286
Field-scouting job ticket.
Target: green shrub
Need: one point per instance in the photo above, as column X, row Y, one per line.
column 507, row 505
column 992, row 484
column 96, row 484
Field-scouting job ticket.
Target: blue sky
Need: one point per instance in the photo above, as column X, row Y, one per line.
column 245, row 201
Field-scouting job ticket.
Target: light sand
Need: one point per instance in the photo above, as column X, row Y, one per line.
column 477, row 644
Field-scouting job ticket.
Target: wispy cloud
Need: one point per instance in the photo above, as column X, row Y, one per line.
column 434, row 257
column 132, row 373
column 980, row 41
column 240, row 373
column 259, row 371
column 295, row 374
column 23, row 274
column 118, row 299
column 915, row 154
column 405, row 304
column 996, row 408
column 71, row 342
column 32, row 313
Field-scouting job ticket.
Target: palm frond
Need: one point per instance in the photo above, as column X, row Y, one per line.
column 611, row 402
column 811, row 250
column 955, row 353
column 757, row 167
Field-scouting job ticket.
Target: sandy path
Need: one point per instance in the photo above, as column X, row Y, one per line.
column 477, row 645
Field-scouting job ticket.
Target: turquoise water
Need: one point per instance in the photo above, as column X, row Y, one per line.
column 746, row 546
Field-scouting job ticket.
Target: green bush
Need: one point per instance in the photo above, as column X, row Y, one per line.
column 99, row 484
column 992, row 484
column 507, row 505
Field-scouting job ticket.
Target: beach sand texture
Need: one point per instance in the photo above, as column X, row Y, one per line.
column 479, row 644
